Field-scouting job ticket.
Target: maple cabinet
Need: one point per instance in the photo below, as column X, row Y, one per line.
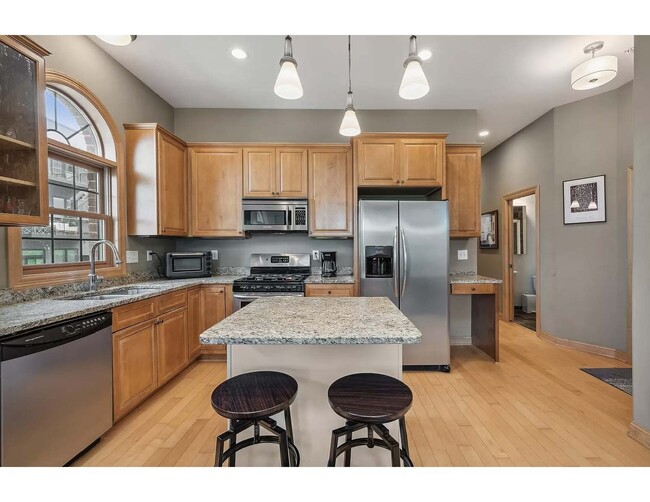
column 275, row 172
column 214, row 301
column 216, row 192
column 329, row 290
column 156, row 164
column 463, row 190
column 331, row 195
column 194, row 323
column 400, row 160
column 171, row 341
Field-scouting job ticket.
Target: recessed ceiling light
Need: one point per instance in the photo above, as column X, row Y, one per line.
column 425, row 54
column 117, row 39
column 483, row 134
column 239, row 53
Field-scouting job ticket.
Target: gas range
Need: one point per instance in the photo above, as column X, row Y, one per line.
column 275, row 273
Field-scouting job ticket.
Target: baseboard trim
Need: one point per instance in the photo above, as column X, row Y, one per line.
column 639, row 434
column 460, row 340
column 583, row 347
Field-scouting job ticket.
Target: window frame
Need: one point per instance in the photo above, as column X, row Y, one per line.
column 30, row 276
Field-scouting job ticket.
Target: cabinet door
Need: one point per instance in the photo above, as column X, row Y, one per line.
column 330, row 192
column 172, row 187
column 216, row 192
column 214, row 310
column 378, row 161
column 291, row 172
column 134, row 366
column 463, row 190
column 171, row 340
column 194, row 323
column 259, row 172
column 422, row 162
column 329, row 290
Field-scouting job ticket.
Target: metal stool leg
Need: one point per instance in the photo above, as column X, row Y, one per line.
column 218, row 456
column 403, row 436
column 348, row 453
column 231, row 443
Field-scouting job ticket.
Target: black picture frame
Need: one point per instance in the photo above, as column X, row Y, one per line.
column 484, row 240
column 583, row 192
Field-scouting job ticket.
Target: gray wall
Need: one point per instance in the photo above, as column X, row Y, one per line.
column 582, row 277
column 641, row 235
column 126, row 98
column 318, row 126
column 524, row 263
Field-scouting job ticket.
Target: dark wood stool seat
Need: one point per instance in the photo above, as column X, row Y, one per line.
column 249, row 400
column 368, row 401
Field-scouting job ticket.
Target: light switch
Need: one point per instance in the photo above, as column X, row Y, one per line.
column 462, row 254
column 315, row 255
column 132, row 257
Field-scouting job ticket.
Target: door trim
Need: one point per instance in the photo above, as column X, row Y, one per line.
column 630, row 216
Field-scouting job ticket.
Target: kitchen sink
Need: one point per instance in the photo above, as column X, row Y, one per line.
column 111, row 295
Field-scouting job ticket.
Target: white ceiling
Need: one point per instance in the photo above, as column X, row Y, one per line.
column 509, row 80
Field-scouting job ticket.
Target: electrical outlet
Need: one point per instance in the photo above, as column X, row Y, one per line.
column 132, row 257
column 149, row 255
column 215, row 254
column 315, row 255
column 462, row 254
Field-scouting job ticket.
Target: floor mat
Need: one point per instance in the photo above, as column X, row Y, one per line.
column 621, row 378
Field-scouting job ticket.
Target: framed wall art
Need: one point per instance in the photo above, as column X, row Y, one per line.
column 489, row 230
column 584, row 200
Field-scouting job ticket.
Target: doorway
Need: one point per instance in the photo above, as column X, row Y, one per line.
column 521, row 292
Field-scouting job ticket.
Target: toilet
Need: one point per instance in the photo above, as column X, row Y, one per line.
column 529, row 300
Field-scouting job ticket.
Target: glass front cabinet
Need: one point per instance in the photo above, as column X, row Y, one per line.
column 23, row 142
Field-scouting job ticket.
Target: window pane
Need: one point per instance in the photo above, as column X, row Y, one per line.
column 61, row 197
column 87, row 246
column 67, row 122
column 92, row 229
column 66, row 251
column 36, row 252
column 88, row 201
column 60, row 172
column 85, row 140
column 87, row 179
column 49, row 109
column 43, row 232
column 66, row 227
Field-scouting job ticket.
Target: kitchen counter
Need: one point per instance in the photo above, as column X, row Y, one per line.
column 314, row 321
column 472, row 278
column 27, row 315
column 339, row 279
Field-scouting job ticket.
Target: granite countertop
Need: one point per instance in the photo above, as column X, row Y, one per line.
column 314, row 321
column 21, row 316
column 472, row 278
column 339, row 279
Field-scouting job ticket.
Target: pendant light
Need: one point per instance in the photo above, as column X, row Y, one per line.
column 288, row 85
column 350, row 124
column 594, row 72
column 120, row 40
column 414, row 82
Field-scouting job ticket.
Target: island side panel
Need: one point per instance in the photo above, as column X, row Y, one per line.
column 315, row 367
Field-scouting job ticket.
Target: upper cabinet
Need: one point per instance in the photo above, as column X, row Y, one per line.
column 216, row 192
column 275, row 172
column 463, row 190
column 400, row 159
column 23, row 142
column 156, row 181
column 330, row 192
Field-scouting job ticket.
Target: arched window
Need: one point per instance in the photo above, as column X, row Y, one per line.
column 82, row 181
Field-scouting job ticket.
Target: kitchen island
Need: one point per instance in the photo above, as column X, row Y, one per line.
column 316, row 341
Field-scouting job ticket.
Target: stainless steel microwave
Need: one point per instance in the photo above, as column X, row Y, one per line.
column 184, row 265
column 275, row 215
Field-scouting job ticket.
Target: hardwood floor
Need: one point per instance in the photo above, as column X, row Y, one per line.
column 534, row 408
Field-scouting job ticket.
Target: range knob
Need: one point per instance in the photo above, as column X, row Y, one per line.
column 70, row 329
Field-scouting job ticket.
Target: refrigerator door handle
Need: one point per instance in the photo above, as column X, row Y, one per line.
column 395, row 288
column 404, row 259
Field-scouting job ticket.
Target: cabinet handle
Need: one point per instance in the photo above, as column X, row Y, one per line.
column 473, row 289
column 329, row 292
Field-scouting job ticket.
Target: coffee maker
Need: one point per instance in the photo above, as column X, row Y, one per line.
column 328, row 263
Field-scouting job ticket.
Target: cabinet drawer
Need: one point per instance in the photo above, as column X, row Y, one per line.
column 171, row 301
column 329, row 290
column 473, row 289
column 133, row 313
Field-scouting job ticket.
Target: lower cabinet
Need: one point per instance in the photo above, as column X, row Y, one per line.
column 171, row 337
column 194, row 323
column 329, row 290
column 214, row 305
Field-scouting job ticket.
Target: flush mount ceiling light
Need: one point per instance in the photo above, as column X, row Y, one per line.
column 483, row 134
column 238, row 53
column 414, row 82
column 120, row 40
column 594, row 72
column 288, row 85
column 350, row 124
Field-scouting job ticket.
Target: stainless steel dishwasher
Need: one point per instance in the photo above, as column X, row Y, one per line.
column 56, row 391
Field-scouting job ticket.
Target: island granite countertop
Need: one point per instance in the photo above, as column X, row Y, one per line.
column 27, row 315
column 301, row 321
column 337, row 279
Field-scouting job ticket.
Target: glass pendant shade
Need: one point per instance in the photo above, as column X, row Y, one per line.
column 350, row 124
column 414, row 82
column 288, row 85
column 594, row 72
column 120, row 40
column 575, row 204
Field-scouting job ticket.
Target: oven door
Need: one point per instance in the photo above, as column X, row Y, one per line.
column 240, row 300
column 267, row 217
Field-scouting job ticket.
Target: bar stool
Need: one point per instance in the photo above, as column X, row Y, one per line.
column 368, row 401
column 249, row 400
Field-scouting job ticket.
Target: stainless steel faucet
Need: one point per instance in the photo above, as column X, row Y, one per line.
column 93, row 278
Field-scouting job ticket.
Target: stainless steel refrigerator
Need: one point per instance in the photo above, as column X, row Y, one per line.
column 404, row 255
